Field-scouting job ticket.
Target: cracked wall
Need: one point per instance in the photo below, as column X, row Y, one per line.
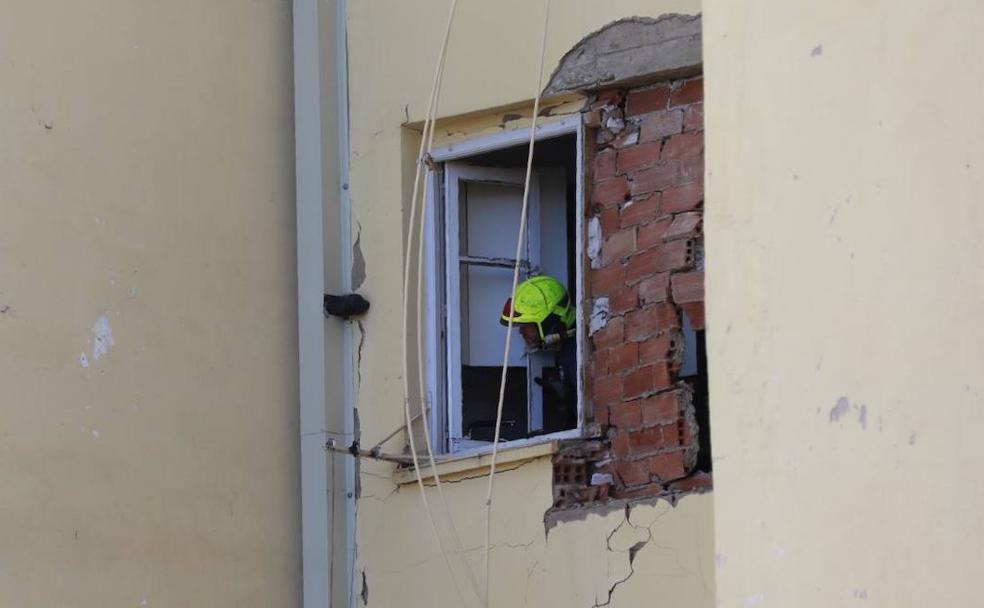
column 645, row 151
column 624, row 557
column 486, row 89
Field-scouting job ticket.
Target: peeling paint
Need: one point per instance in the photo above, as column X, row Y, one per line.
column 599, row 315
column 358, row 262
column 817, row 51
column 83, row 360
column 102, row 338
column 594, row 241
column 839, row 410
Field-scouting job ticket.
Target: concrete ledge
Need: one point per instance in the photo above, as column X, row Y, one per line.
column 475, row 465
column 631, row 52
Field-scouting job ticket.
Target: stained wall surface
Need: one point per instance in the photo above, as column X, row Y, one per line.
column 148, row 421
column 843, row 227
column 491, row 67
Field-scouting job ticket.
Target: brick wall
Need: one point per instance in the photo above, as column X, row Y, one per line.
column 645, row 181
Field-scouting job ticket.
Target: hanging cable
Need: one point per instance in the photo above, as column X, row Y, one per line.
column 515, row 281
column 421, row 381
column 425, row 145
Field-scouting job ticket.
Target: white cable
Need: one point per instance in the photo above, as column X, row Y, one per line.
column 515, row 281
column 421, row 382
column 431, row 104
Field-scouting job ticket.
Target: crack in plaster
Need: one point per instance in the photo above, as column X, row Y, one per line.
column 358, row 358
column 506, row 468
column 633, row 551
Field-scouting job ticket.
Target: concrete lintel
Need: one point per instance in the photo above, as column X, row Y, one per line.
column 631, row 52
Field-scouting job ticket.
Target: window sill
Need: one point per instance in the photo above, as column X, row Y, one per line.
column 477, row 462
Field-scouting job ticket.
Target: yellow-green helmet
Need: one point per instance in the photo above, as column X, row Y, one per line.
column 536, row 299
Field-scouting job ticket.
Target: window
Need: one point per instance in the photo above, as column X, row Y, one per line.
column 473, row 227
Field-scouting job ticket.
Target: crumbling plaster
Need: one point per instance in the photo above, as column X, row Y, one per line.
column 485, row 92
column 629, row 52
column 624, row 556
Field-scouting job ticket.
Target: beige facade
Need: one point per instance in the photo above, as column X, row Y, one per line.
column 843, row 229
column 149, row 434
column 576, row 563
column 146, row 191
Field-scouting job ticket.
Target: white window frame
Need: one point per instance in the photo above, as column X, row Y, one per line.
column 437, row 353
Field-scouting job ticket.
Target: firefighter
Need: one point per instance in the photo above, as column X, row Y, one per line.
column 545, row 316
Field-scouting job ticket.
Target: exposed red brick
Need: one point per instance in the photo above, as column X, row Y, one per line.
column 598, row 362
column 623, row 300
column 609, row 218
column 663, row 408
column 638, row 156
column 675, row 255
column 688, row 287
column 667, row 174
column 610, row 191
column 691, row 91
column 599, row 413
column 620, row 444
column 685, row 145
column 638, row 383
column 699, row 482
column 667, row 466
column 661, row 347
column 640, row 211
column 647, row 192
column 608, row 97
column 611, row 334
column 654, row 439
column 694, row 118
column 641, row 324
column 684, row 225
column 649, row 100
column 661, row 124
column 607, row 279
column 646, row 491
column 655, row 289
column 683, row 198
column 624, row 357
column 695, row 312
column 618, row 246
column 652, row 233
column 662, row 376
column 626, row 416
column 604, row 165
column 633, row 473
column 606, row 391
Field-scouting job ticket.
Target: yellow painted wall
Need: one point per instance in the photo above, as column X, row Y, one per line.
column 845, row 158
column 146, row 177
column 491, row 64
